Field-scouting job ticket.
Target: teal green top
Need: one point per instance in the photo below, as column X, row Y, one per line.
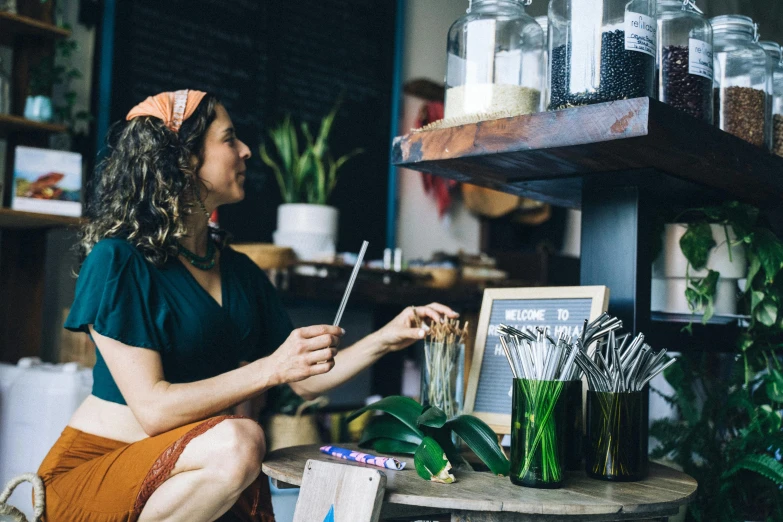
column 165, row 309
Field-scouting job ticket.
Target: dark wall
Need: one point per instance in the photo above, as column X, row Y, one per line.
column 265, row 59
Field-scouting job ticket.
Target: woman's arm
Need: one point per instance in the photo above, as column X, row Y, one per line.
column 397, row 335
column 160, row 406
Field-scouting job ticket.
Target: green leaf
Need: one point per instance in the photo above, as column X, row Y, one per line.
column 389, row 427
column 755, row 299
column 764, row 465
column 432, row 417
column 482, row 440
column 696, row 244
column 754, row 266
column 404, row 408
column 770, row 252
column 775, row 385
column 394, row 446
column 767, row 312
column 431, row 462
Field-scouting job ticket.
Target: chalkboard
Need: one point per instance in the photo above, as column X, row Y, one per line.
column 264, row 60
column 560, row 309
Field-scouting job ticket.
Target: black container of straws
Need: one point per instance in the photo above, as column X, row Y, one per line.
column 617, row 438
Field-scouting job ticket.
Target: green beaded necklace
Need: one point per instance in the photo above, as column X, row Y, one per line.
column 202, row 263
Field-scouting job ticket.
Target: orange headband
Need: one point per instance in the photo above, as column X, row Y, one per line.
column 171, row 107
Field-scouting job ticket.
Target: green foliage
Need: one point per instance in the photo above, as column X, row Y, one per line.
column 407, row 427
column 306, row 173
column 728, row 436
column 54, row 70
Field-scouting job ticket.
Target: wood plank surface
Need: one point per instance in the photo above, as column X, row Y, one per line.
column 582, row 498
column 354, row 493
column 32, row 220
column 547, row 155
column 13, row 123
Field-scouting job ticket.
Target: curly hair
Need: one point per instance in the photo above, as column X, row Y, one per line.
column 147, row 184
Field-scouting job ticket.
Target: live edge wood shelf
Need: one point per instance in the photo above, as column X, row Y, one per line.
column 624, row 163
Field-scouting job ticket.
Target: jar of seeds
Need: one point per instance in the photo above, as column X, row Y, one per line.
column 495, row 65
column 775, row 64
column 685, row 68
column 741, row 87
column 600, row 51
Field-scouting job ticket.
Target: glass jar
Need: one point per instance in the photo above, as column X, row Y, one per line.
column 600, row 51
column 495, row 61
column 443, row 377
column 685, row 61
column 741, row 87
column 574, row 427
column 538, row 424
column 617, row 431
column 775, row 64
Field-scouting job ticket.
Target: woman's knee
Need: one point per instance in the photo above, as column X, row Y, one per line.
column 234, row 449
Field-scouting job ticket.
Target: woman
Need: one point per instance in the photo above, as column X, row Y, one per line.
column 186, row 330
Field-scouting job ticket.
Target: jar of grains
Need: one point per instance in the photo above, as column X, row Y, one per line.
column 775, row 64
column 495, row 65
column 685, row 75
column 741, row 87
column 600, row 50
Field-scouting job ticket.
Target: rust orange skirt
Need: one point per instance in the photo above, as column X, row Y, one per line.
column 94, row 479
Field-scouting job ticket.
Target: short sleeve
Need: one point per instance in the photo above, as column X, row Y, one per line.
column 115, row 293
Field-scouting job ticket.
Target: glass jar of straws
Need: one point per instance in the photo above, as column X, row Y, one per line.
column 617, row 406
column 443, row 372
column 541, row 367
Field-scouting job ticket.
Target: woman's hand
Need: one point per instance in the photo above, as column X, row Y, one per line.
column 403, row 330
column 308, row 351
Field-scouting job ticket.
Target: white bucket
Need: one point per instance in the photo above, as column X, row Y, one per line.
column 36, row 403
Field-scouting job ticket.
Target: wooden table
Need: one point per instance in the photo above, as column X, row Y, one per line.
column 483, row 497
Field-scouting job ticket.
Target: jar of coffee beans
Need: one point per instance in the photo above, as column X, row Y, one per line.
column 600, row 51
column 775, row 64
column 495, row 65
column 685, row 69
column 741, row 87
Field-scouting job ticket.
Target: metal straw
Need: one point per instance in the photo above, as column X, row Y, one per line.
column 350, row 284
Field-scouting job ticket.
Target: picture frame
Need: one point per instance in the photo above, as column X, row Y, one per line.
column 560, row 308
column 47, row 181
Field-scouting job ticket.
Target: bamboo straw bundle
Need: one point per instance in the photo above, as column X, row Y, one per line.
column 443, row 348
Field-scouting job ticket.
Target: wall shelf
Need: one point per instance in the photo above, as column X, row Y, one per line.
column 15, row 24
column 548, row 156
column 12, row 123
column 16, row 219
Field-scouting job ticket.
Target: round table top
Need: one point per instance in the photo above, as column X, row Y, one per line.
column 659, row 495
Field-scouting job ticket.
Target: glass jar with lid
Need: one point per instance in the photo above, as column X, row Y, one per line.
column 775, row 64
column 495, row 62
column 685, row 61
column 740, row 79
column 600, row 50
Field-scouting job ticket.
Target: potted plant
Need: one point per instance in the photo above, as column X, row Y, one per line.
column 729, row 434
column 697, row 270
column 306, row 175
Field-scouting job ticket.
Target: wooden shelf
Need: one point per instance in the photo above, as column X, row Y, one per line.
column 547, row 156
column 14, row 24
column 20, row 220
column 13, row 123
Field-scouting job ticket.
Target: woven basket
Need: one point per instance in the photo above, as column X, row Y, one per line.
column 283, row 431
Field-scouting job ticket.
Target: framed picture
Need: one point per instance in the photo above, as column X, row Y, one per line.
column 559, row 309
column 47, row 181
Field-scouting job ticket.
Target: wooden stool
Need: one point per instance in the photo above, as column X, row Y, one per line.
column 352, row 493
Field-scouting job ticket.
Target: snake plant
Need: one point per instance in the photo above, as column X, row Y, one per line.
column 306, row 173
column 426, row 433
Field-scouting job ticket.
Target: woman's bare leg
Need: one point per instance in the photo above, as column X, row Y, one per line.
column 209, row 476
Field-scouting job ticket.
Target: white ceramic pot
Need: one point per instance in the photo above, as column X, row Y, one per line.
column 669, row 283
column 311, row 230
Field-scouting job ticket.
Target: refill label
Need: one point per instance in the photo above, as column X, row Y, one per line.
column 640, row 31
column 700, row 58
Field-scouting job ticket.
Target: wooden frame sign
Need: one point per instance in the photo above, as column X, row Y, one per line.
column 560, row 309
